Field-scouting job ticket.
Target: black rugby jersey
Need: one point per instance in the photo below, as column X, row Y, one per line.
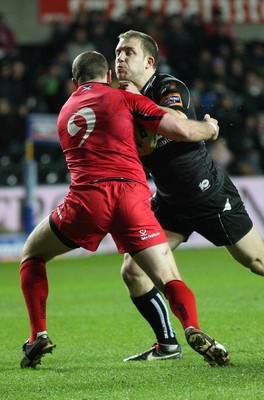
column 183, row 172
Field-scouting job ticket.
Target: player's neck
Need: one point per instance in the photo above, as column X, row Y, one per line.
column 146, row 78
column 96, row 80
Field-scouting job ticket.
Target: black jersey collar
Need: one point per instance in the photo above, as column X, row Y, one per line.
column 148, row 84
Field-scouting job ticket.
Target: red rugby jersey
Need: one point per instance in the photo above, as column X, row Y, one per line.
column 96, row 131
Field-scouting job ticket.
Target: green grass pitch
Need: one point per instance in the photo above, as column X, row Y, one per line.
column 95, row 326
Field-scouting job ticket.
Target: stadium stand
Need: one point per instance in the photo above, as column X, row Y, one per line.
column 224, row 73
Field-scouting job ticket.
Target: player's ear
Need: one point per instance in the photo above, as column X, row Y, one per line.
column 150, row 62
column 109, row 76
column 75, row 83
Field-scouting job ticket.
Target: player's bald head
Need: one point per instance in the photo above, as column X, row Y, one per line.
column 88, row 66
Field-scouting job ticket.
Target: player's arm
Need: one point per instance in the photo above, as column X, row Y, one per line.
column 176, row 113
column 187, row 130
column 175, row 100
column 194, row 136
column 176, row 126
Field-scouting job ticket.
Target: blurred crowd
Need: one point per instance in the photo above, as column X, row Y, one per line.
column 224, row 73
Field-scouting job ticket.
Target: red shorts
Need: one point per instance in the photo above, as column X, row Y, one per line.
column 119, row 208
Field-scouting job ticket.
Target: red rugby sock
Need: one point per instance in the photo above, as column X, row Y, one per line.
column 182, row 303
column 34, row 286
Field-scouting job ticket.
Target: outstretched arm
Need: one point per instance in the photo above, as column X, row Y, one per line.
column 176, row 126
column 187, row 130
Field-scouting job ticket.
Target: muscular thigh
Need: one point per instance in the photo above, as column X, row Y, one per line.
column 248, row 249
column 43, row 243
column 159, row 264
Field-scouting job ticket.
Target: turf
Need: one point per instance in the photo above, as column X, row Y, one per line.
column 95, row 326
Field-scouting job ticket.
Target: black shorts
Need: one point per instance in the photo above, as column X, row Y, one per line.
column 221, row 217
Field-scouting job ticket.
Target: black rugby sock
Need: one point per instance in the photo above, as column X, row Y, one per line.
column 153, row 308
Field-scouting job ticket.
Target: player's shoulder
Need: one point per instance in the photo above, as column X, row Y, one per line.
column 131, row 101
column 121, row 96
column 168, row 82
column 164, row 77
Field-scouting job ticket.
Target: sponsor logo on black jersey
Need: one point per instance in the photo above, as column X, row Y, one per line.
column 172, row 99
column 227, row 205
column 204, row 185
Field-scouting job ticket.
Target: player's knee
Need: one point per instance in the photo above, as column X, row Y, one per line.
column 26, row 252
column 257, row 266
column 254, row 261
column 130, row 271
column 127, row 272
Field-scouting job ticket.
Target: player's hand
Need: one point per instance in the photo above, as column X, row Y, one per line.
column 128, row 87
column 214, row 123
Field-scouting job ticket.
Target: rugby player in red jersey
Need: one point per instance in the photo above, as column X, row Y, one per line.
column 108, row 194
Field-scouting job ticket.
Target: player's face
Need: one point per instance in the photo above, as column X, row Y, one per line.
column 130, row 61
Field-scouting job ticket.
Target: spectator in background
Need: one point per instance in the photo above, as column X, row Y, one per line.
column 20, row 83
column 141, row 17
column 240, row 51
column 245, row 146
column 6, row 124
column 12, row 139
column 235, row 74
column 14, row 109
column 218, row 68
column 253, row 91
column 203, row 66
column 256, row 51
column 79, row 42
column 49, row 86
column 180, row 46
column 7, row 39
column 62, row 60
column 14, row 84
column 6, row 79
column 219, row 33
column 102, row 40
column 196, row 27
column 260, row 133
column 229, row 115
column 196, row 91
column 81, row 20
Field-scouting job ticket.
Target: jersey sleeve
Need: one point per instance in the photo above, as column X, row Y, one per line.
column 145, row 111
column 173, row 93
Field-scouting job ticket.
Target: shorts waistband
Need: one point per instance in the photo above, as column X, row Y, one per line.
column 112, row 179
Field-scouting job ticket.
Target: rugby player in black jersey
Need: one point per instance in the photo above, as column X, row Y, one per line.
column 193, row 195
